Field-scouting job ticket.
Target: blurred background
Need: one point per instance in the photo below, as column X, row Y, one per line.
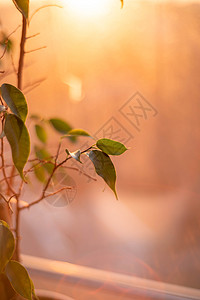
column 128, row 74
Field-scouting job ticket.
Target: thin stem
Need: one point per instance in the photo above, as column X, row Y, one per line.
column 33, row 50
column 19, row 85
column 14, row 31
column 4, row 52
column 17, row 231
column 80, row 171
column 44, row 6
column 32, row 36
column 21, row 56
column 56, row 166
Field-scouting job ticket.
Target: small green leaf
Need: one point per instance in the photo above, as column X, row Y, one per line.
column 39, row 172
column 41, row 133
column 19, row 279
column 18, row 138
column 34, row 117
column 111, row 147
column 43, row 154
column 76, row 155
column 4, row 223
column 22, row 6
column 78, row 132
column 15, row 100
column 104, row 168
column 62, row 127
column 7, row 244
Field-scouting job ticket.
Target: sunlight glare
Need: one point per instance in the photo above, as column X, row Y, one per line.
column 88, row 8
column 75, row 88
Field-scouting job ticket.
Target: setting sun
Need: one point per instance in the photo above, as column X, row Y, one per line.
column 88, row 8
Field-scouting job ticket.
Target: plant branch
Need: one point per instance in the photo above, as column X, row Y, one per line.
column 56, row 166
column 21, row 56
column 7, row 201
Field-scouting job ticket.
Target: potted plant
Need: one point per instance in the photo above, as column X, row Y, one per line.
column 14, row 176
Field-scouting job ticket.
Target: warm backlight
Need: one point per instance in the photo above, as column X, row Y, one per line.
column 87, row 8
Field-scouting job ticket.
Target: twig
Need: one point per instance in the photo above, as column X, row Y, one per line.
column 13, row 65
column 19, row 85
column 14, row 31
column 43, row 194
column 82, row 172
column 7, row 202
column 4, row 52
column 32, row 36
column 58, row 151
column 2, row 196
column 56, row 192
column 31, row 86
column 33, row 50
column 46, row 196
column 44, row 6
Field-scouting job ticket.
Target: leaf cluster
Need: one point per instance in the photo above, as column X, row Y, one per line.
column 13, row 270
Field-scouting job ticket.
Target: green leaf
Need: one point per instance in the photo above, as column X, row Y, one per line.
column 78, row 132
column 22, row 6
column 15, row 100
column 19, row 279
column 111, row 147
column 104, row 168
column 62, row 127
column 4, row 223
column 7, row 244
column 39, row 172
column 34, row 117
column 75, row 155
column 41, row 133
column 43, row 154
column 18, row 138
